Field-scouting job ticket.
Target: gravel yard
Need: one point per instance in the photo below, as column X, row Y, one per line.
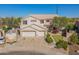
column 73, row 49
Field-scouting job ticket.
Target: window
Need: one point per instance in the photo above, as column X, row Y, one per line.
column 47, row 20
column 33, row 20
column 41, row 21
column 25, row 22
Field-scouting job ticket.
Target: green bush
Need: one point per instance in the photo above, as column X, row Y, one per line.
column 74, row 38
column 49, row 38
column 9, row 27
column 69, row 26
column 57, row 37
column 6, row 28
column 62, row 44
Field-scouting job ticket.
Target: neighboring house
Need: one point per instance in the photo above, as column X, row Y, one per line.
column 35, row 25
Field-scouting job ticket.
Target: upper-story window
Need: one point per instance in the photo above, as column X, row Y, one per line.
column 33, row 20
column 25, row 22
column 47, row 20
column 41, row 21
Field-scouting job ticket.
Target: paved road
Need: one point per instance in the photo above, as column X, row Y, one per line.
column 22, row 53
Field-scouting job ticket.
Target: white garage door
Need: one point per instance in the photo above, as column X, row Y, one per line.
column 28, row 34
column 40, row 34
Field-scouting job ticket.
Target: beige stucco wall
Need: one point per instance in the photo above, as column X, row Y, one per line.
column 37, row 22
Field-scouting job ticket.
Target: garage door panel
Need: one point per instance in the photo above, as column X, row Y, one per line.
column 40, row 34
column 28, row 34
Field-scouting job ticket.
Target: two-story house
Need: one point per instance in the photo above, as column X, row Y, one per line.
column 39, row 19
column 36, row 24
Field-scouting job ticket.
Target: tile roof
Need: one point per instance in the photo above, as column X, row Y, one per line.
column 43, row 16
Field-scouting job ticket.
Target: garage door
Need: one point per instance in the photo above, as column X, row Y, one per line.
column 40, row 34
column 28, row 34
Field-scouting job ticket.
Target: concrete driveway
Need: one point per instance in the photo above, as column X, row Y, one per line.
column 31, row 46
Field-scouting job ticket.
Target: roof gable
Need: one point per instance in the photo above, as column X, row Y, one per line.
column 27, row 29
column 33, row 27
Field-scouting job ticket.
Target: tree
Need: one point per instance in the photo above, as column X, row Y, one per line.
column 69, row 27
column 11, row 21
column 55, row 22
column 48, row 38
column 17, row 22
column 59, row 22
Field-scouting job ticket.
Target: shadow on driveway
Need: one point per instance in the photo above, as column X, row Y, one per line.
column 22, row 53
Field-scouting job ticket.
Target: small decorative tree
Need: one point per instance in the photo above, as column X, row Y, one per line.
column 48, row 38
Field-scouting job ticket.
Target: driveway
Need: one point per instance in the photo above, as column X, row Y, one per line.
column 31, row 46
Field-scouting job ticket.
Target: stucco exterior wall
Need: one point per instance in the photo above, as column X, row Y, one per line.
column 29, row 21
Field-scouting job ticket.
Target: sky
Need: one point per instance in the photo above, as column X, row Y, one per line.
column 22, row 10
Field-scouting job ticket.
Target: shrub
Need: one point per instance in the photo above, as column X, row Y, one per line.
column 9, row 28
column 69, row 27
column 57, row 37
column 55, row 30
column 74, row 38
column 6, row 28
column 62, row 44
column 49, row 38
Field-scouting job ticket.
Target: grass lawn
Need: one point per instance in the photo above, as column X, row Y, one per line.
column 57, row 37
